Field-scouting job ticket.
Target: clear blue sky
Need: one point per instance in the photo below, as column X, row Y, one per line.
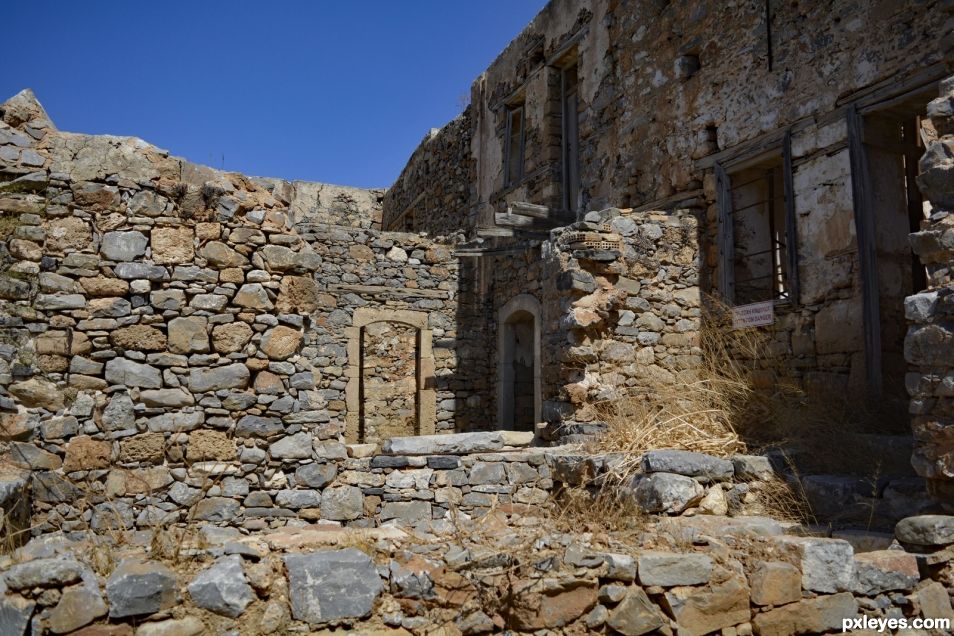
column 338, row 91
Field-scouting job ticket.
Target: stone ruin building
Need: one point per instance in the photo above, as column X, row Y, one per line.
column 185, row 344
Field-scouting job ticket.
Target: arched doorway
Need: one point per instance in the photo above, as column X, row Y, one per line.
column 519, row 403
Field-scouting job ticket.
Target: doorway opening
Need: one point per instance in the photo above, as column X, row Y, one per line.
column 519, row 402
column 389, row 372
column 894, row 140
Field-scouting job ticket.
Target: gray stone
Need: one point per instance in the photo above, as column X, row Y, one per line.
column 124, row 246
column 409, row 512
column 222, row 588
column 297, row 446
column 133, row 271
column 316, row 474
column 172, row 299
column 78, row 606
column 167, row 398
column 408, row 582
column 329, row 585
column 446, row 444
column 666, row 492
column 635, row 615
column 129, row 373
column 884, row 571
column 15, row 613
column 175, row 422
column 680, row 462
column 43, row 573
column 119, row 414
column 668, row 569
column 920, row 307
column 296, row 499
column 27, row 455
column 216, row 509
column 342, row 503
column 232, row 376
column 59, row 302
column 926, row 530
column 752, row 467
column 487, row 473
column 138, row 587
column 253, row 296
column 256, row 426
column 827, row 565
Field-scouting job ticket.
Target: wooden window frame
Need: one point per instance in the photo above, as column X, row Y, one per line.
column 726, row 228
column 511, row 179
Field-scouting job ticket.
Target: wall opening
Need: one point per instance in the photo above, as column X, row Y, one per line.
column 570, row 143
column 390, row 390
column 389, row 376
column 894, row 141
column 518, row 355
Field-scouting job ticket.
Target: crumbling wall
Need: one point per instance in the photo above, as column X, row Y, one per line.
column 620, row 308
column 311, row 202
column 435, row 189
column 166, row 327
column 929, row 344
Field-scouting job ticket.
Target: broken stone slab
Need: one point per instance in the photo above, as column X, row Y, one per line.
column 297, row 446
column 710, row 609
column 635, row 615
column 926, row 530
column 15, row 613
column 44, row 573
column 827, row 565
column 133, row 374
column 78, row 606
column 231, row 376
column 329, row 585
column 138, row 586
column 680, row 462
column 222, row 588
column 445, row 444
column 666, row 492
column 885, row 570
column 329, row 535
column 811, row 616
column 188, row 626
column 669, row 569
column 752, row 467
column 775, row 583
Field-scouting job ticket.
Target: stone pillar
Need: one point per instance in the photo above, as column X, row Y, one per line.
column 929, row 344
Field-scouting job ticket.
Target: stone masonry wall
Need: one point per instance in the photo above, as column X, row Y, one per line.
column 665, row 90
column 435, row 189
column 619, row 304
column 929, row 345
column 169, row 336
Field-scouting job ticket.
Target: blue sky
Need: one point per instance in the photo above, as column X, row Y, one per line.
column 340, row 91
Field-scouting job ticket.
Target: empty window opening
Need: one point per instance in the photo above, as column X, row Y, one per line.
column 514, row 144
column 389, row 372
column 570, row 143
column 760, row 261
column 518, row 372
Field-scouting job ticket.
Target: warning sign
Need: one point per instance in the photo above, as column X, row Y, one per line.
column 754, row 315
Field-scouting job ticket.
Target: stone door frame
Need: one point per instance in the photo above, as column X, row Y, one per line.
column 529, row 304
column 424, row 382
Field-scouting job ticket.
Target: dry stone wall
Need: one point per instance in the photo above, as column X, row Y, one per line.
column 929, row 345
column 174, row 336
column 435, row 189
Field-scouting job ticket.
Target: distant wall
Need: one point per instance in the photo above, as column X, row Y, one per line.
column 434, row 192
